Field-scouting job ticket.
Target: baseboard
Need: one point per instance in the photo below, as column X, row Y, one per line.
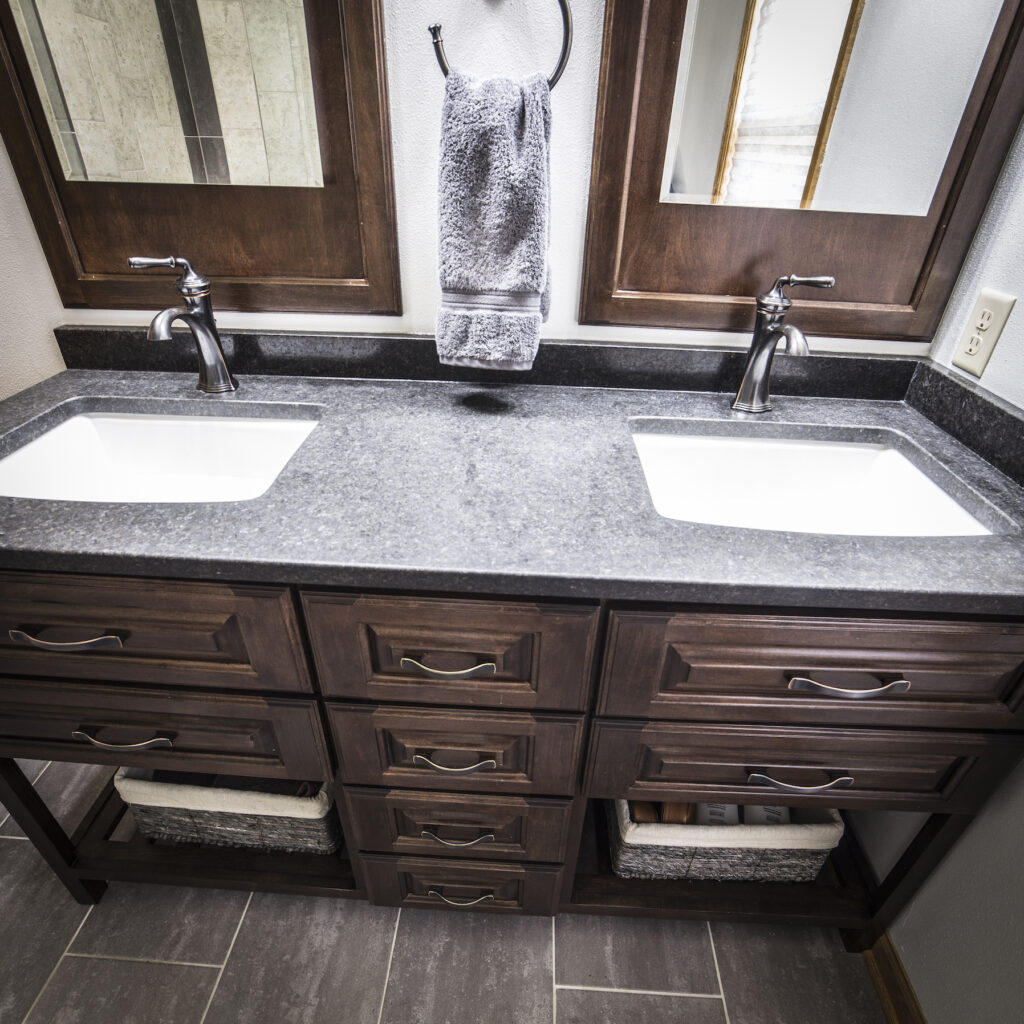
column 895, row 992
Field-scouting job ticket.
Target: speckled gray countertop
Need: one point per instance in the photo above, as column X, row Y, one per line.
column 506, row 489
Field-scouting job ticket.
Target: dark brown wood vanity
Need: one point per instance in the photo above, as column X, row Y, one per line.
column 473, row 740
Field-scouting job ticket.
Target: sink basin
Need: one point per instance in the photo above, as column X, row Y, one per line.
column 797, row 485
column 138, row 457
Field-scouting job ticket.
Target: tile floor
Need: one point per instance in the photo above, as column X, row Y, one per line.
column 163, row 955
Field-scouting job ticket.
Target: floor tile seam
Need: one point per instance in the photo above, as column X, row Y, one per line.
column 56, row 966
column 142, row 960
column 554, row 976
column 387, row 973
column 638, row 991
column 718, row 972
column 17, row 839
column 227, row 957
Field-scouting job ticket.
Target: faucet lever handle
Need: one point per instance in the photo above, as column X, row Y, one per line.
column 190, row 283
column 812, row 282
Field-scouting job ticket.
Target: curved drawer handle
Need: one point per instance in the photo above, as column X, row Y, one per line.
column 461, row 903
column 489, row 763
column 485, row 837
column 802, row 683
column 760, row 779
column 485, row 668
column 156, row 741
column 97, row 643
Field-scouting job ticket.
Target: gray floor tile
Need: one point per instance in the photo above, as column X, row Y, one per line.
column 576, row 1006
column 634, row 952
column 69, row 790
column 31, row 770
column 37, row 920
column 306, row 960
column 774, row 974
column 85, row 991
column 163, row 922
column 451, row 968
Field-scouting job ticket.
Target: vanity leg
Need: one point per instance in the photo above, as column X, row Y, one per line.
column 924, row 853
column 36, row 821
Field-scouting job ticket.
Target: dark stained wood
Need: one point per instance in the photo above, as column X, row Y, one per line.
column 408, row 881
column 725, row 667
column 892, row 769
column 217, row 635
column 266, row 248
column 543, row 653
column 534, row 753
column 222, row 733
column 682, row 265
column 524, row 828
column 896, row 994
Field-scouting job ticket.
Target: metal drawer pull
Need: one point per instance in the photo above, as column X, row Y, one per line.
column 760, row 779
column 156, row 741
column 486, row 837
column 485, row 668
column 802, row 683
column 489, row 763
column 461, row 903
column 97, row 643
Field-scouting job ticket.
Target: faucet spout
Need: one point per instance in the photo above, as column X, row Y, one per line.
column 160, row 328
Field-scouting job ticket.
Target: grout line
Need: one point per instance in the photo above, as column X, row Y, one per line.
column 718, row 973
column 387, row 975
column 642, row 991
column 17, row 839
column 60, row 960
column 554, row 977
column 142, row 960
column 220, row 973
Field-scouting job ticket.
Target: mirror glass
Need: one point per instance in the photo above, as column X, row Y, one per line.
column 188, row 91
column 845, row 105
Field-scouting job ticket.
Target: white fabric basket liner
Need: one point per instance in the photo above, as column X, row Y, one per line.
column 813, row 829
column 136, row 786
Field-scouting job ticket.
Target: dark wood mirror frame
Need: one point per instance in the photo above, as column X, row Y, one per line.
column 655, row 264
column 330, row 249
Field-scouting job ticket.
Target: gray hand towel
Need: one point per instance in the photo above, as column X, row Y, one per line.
column 493, row 220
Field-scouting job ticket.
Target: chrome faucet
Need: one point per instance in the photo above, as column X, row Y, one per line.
column 197, row 314
column 769, row 330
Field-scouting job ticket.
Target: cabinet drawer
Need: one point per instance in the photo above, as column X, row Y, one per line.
column 938, row 772
column 459, row 824
column 731, row 667
column 484, row 751
column 464, row 652
column 150, row 631
column 230, row 734
column 461, row 884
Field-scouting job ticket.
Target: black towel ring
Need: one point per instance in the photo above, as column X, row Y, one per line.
column 563, row 59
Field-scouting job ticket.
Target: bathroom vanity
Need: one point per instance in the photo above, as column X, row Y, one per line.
column 458, row 603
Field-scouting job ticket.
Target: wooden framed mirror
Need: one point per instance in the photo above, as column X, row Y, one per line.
column 652, row 259
column 135, row 130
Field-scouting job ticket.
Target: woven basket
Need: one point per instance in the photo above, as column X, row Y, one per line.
column 211, row 810
column 743, row 853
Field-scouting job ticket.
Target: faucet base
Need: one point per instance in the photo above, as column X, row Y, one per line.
column 220, row 388
column 752, row 407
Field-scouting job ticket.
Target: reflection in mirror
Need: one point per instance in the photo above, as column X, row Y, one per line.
column 846, row 105
column 189, row 91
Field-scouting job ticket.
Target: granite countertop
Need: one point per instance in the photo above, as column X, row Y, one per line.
column 503, row 489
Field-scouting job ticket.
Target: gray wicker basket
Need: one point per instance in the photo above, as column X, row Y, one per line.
column 214, row 811
column 749, row 853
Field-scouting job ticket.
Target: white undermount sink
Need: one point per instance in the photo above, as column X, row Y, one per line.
column 797, row 485
column 141, row 457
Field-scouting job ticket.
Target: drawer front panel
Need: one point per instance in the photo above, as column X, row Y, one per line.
column 183, row 731
column 164, row 632
column 424, row 748
column 467, row 886
column 733, row 667
column 939, row 772
column 464, row 652
column 459, row 825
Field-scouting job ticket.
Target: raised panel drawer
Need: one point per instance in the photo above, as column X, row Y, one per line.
column 230, row 734
column 151, row 631
column 482, row 751
column 458, row 824
column 847, row 671
column 464, row 652
column 938, row 772
column 462, row 885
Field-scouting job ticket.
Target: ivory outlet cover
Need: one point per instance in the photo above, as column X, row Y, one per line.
column 985, row 324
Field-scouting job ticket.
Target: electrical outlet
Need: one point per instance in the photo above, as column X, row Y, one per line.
column 987, row 320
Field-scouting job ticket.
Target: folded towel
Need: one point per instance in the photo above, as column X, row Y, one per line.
column 493, row 220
